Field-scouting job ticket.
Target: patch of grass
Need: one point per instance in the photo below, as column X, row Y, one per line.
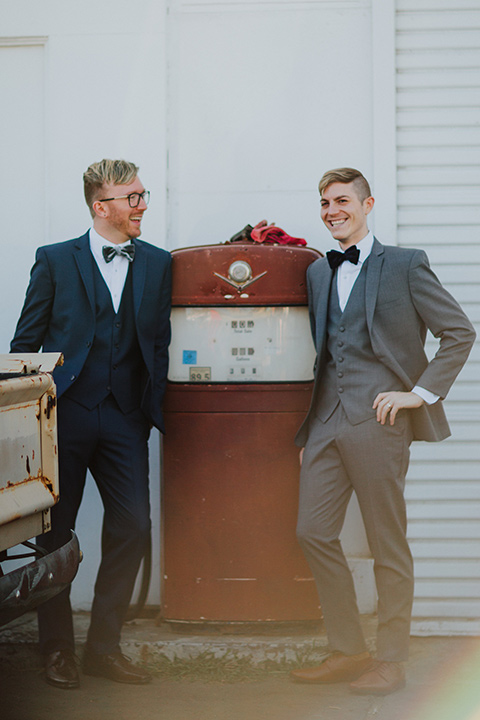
column 208, row 668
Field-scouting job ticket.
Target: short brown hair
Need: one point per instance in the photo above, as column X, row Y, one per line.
column 346, row 175
column 106, row 172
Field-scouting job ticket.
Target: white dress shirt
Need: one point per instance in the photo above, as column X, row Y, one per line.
column 115, row 272
column 347, row 273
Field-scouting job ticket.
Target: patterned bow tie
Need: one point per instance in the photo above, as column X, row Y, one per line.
column 109, row 252
column 335, row 258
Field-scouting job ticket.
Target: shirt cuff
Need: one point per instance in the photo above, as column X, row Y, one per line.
column 426, row 395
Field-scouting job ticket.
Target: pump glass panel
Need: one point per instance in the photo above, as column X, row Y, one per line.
column 241, row 344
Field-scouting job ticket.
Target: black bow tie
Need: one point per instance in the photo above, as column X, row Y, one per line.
column 335, row 258
column 109, row 252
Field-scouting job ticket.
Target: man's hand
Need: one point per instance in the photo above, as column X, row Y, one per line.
column 393, row 401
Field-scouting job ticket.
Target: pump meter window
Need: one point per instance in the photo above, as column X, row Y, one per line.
column 241, row 344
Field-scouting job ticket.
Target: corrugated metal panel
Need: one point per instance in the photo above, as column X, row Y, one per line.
column 438, row 158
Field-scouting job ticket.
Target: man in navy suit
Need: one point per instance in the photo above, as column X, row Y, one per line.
column 103, row 300
column 375, row 391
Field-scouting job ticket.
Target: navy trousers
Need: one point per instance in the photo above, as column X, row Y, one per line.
column 114, row 447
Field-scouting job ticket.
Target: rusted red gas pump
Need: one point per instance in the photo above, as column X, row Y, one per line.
column 240, row 381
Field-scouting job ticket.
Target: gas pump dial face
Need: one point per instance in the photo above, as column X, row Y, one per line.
column 241, row 344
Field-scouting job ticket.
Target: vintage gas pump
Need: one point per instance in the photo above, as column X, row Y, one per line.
column 240, row 381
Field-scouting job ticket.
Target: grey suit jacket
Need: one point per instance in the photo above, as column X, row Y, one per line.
column 403, row 299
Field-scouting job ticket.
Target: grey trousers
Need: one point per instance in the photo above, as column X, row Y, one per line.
column 371, row 460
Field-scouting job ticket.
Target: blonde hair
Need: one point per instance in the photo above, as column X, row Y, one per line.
column 106, row 172
column 345, row 176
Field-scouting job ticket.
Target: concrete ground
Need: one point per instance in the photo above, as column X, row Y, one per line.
column 229, row 677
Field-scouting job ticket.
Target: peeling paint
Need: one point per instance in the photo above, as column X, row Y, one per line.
column 31, row 478
column 28, row 445
column 49, row 485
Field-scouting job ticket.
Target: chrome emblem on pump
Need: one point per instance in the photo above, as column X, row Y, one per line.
column 239, row 271
column 240, row 275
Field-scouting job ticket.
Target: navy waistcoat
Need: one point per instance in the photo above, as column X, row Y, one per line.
column 114, row 364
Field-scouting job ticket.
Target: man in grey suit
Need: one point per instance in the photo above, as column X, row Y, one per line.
column 375, row 391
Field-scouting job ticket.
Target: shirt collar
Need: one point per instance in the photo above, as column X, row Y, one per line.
column 97, row 242
column 365, row 247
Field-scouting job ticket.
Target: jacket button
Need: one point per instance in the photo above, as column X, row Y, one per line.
column 340, row 389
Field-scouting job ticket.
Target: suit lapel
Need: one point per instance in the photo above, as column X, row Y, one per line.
column 383, row 353
column 374, row 269
column 321, row 283
column 326, row 281
column 139, row 271
column 83, row 258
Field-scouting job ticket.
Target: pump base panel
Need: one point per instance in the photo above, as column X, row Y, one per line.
column 230, row 500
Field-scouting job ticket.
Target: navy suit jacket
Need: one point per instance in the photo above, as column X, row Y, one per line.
column 59, row 313
column 403, row 299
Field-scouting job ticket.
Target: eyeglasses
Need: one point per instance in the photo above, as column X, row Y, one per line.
column 133, row 199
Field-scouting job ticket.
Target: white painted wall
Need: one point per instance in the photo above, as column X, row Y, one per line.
column 233, row 110
column 438, row 151
column 263, row 97
column 78, row 82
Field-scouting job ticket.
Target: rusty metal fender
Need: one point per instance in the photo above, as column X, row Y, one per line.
column 31, row 585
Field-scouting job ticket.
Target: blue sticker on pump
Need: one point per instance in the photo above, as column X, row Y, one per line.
column 189, row 357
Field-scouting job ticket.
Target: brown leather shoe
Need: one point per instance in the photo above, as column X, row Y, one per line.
column 116, row 667
column 382, row 679
column 336, row 668
column 61, row 669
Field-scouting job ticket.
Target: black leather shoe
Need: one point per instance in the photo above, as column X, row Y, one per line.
column 61, row 669
column 115, row 666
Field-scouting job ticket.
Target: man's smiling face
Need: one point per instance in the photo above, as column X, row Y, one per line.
column 115, row 219
column 344, row 214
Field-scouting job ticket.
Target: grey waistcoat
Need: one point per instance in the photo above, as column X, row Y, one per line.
column 352, row 375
